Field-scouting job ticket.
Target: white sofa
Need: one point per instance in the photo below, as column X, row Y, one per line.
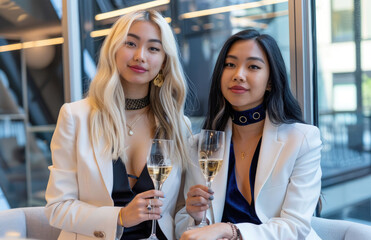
column 29, row 222
column 330, row 229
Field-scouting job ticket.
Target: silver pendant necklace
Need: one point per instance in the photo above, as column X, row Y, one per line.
column 132, row 125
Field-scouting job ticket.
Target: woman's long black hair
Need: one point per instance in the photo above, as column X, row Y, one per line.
column 281, row 105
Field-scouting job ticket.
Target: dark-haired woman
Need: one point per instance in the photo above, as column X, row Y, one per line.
column 270, row 180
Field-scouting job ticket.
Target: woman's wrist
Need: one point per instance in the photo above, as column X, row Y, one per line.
column 236, row 234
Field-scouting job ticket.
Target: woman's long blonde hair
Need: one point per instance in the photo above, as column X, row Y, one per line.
column 107, row 98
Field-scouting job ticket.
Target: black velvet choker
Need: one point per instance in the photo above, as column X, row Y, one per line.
column 249, row 116
column 135, row 104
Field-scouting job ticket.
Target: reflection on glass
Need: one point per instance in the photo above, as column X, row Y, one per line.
column 201, row 27
column 40, row 159
column 344, row 106
column 12, row 162
column 205, row 25
column 200, row 39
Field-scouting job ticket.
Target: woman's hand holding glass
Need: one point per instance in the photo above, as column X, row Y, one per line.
column 137, row 212
column 146, row 206
column 197, row 201
column 210, row 157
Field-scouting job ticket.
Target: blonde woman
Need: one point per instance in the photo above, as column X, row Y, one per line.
column 99, row 186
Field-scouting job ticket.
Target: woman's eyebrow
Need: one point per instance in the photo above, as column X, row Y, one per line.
column 138, row 38
column 256, row 58
column 249, row 58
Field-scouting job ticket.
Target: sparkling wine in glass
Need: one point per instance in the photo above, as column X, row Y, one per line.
column 209, row 168
column 210, row 155
column 159, row 166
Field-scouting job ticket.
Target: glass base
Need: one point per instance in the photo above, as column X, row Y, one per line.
column 202, row 224
column 152, row 237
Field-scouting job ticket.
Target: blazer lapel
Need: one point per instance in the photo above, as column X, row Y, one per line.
column 103, row 160
column 219, row 184
column 269, row 152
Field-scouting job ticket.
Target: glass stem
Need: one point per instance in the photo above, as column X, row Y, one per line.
column 158, row 186
column 153, row 231
column 204, row 222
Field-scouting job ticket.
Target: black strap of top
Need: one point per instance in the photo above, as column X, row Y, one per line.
column 132, row 176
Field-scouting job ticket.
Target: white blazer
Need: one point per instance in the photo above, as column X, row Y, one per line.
column 81, row 179
column 287, row 183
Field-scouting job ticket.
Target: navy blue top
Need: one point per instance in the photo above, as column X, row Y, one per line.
column 236, row 208
column 122, row 194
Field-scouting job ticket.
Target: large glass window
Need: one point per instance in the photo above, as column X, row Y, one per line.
column 344, row 107
column 36, row 72
column 366, row 19
column 201, row 27
column 31, row 94
column 13, row 180
column 342, row 20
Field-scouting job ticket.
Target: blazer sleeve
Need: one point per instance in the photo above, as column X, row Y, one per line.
column 182, row 219
column 192, row 177
column 64, row 209
column 301, row 196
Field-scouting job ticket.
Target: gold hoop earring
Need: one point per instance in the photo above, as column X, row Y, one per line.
column 159, row 79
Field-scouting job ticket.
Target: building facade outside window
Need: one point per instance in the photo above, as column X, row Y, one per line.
column 344, row 95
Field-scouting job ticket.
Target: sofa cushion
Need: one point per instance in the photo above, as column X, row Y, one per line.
column 12, row 223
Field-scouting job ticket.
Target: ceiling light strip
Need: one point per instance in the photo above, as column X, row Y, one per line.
column 32, row 44
column 268, row 15
column 123, row 11
column 11, row 47
column 229, row 8
column 100, row 33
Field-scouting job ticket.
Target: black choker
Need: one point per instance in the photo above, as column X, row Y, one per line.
column 249, row 116
column 135, row 104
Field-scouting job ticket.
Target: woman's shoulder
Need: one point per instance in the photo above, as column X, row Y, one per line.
column 79, row 104
column 306, row 136
column 302, row 126
column 299, row 129
column 299, row 133
column 77, row 110
column 80, row 107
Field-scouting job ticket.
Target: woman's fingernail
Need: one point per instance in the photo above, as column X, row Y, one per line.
column 210, row 191
column 211, row 197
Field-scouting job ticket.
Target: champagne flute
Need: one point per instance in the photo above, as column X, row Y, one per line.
column 210, row 155
column 159, row 166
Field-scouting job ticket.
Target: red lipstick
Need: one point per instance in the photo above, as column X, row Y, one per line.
column 238, row 89
column 138, row 69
